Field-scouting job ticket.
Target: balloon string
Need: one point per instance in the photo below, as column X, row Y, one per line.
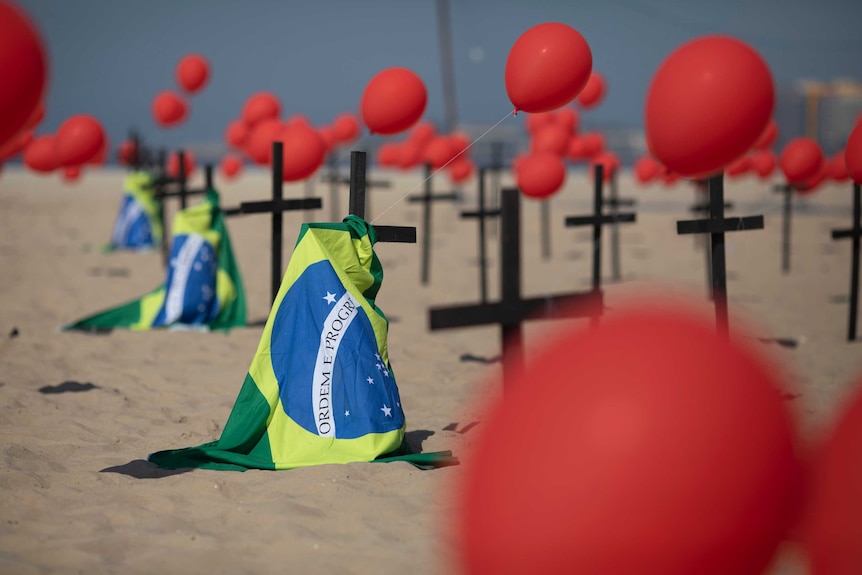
column 438, row 170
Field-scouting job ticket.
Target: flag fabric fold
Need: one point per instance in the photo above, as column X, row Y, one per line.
column 320, row 388
column 138, row 225
column 203, row 286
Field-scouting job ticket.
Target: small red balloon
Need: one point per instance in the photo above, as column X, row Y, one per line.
column 193, row 72
column 345, row 128
column 127, row 152
column 708, row 103
column 23, row 70
column 853, row 154
column 387, row 155
column 553, row 138
column 439, row 152
column 169, row 109
column 393, row 101
column 657, row 477
column 801, row 159
column 594, row 143
column 409, row 154
column 422, row 133
column 609, row 162
column 594, row 92
column 536, row 122
column 764, row 162
column 646, row 169
column 460, row 170
column 547, row 67
column 78, row 140
column 739, row 167
column 258, row 146
column 236, row 133
column 39, row 154
column 303, row 152
column 567, row 118
column 837, row 167
column 768, row 137
column 260, row 106
column 102, row 156
column 575, row 150
column 540, row 176
column 230, row 166
column 173, row 165
column 71, row 174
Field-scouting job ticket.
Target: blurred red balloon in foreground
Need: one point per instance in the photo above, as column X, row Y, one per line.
column 393, row 101
column 547, row 67
column 193, row 72
column 594, row 92
column 540, row 176
column 231, row 166
column 23, row 70
column 801, row 159
column 708, row 103
column 657, row 476
column 260, row 106
column 78, row 140
column 303, row 152
column 169, row 109
column 39, row 154
column 173, row 165
column 832, row 527
column 853, row 154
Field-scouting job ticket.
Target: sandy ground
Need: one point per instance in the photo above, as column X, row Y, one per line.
column 77, row 495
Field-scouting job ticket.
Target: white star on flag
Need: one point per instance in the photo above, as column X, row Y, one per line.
column 387, row 411
column 347, row 413
column 385, row 372
column 377, row 355
column 370, row 380
column 379, row 366
column 329, row 297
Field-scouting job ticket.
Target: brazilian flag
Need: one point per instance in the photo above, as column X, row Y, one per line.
column 320, row 388
column 203, row 286
column 138, row 225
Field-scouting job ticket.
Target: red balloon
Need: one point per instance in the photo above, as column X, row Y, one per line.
column 230, row 166
column 568, row 119
column 553, row 138
column 328, row 135
column 260, row 106
column 102, row 154
column 768, row 137
column 547, row 67
column 812, row 184
column 173, row 165
column 800, row 160
column 78, row 140
column 393, row 101
column 387, row 155
column 258, row 146
column 409, row 154
column 128, row 152
column 594, row 143
column 763, row 162
column 23, row 70
column 422, row 133
column 236, row 134
column 460, row 142
column 647, row 169
column 71, row 174
column 657, row 477
column 739, row 167
column 193, row 72
column 594, row 92
column 536, row 122
column 460, row 169
column 303, row 152
column 39, row 154
column 609, row 162
column 708, row 103
column 837, row 167
column 853, row 154
column 439, row 152
column 345, row 128
column 832, row 524
column 169, row 109
column 541, row 175
column 575, row 150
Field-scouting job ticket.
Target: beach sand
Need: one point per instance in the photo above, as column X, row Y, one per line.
column 77, row 495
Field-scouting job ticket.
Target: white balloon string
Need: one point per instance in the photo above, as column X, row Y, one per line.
column 437, row 171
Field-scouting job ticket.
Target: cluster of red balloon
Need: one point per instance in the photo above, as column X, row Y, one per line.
column 169, row 107
column 423, row 145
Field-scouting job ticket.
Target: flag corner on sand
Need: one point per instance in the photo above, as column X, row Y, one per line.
column 320, row 388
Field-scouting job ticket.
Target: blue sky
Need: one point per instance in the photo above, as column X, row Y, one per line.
column 110, row 57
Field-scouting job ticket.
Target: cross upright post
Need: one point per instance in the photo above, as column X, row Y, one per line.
column 357, row 204
column 480, row 215
column 426, row 198
column 855, row 235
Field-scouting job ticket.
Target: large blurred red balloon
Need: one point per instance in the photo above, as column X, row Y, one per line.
column 594, row 92
column 230, row 166
column 173, row 165
column 547, row 67
column 258, row 145
column 193, row 72
column 708, row 103
column 23, row 70
column 260, row 106
column 801, row 159
column 346, row 128
column 646, row 169
column 39, row 154
column 853, row 154
column 303, row 152
column 832, row 524
column 763, row 162
column 541, row 175
column 393, row 101
column 553, row 138
column 767, row 137
column 78, row 140
column 169, row 109
column 236, row 133
column 590, row 464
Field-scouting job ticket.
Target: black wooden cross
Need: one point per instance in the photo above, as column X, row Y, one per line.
column 716, row 226
column 426, row 198
column 276, row 207
column 335, row 180
column 357, row 203
column 511, row 311
column 614, row 202
column 786, row 217
column 854, row 233
column 597, row 220
column 481, row 214
column 701, row 206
